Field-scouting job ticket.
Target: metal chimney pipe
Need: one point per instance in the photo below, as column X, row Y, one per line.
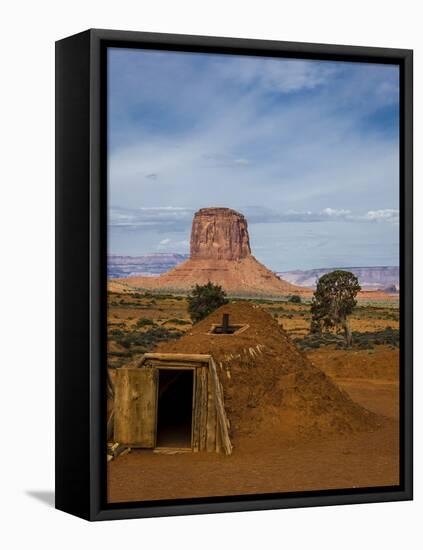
column 225, row 323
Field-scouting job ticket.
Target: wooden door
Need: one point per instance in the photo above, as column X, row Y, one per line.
column 136, row 407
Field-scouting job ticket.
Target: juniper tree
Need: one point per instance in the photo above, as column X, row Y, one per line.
column 334, row 301
column 204, row 299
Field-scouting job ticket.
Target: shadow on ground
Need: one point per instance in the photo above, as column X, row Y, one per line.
column 46, row 497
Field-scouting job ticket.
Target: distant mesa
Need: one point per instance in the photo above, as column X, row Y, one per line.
column 142, row 266
column 220, row 252
column 374, row 278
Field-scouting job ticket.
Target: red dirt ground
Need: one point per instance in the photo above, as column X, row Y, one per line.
column 360, row 454
column 360, row 460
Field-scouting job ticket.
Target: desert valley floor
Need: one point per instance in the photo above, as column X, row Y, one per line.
column 369, row 373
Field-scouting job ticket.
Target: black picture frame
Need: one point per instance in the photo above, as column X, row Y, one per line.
column 81, row 234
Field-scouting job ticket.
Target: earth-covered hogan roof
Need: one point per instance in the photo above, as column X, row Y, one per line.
column 269, row 384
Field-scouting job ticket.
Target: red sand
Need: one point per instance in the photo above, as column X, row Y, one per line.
column 293, row 428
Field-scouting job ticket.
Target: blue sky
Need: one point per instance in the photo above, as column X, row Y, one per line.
column 307, row 150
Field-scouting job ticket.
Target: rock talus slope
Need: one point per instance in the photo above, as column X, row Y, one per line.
column 220, row 252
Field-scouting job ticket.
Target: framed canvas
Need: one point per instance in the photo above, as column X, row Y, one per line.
column 233, row 274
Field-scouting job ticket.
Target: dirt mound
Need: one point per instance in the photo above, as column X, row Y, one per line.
column 270, row 387
column 359, row 365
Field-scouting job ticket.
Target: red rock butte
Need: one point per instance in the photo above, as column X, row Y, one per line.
column 220, row 253
column 219, row 234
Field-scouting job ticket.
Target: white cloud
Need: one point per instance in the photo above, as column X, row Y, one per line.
column 226, row 160
column 175, row 246
column 158, row 218
column 268, row 215
column 170, row 218
column 336, row 213
column 280, row 75
column 386, row 215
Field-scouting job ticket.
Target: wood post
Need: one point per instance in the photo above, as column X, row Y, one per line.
column 196, row 414
column 110, row 426
column 211, row 416
column 203, row 408
column 220, row 409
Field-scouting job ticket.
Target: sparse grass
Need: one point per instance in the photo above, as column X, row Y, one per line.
column 143, row 322
column 156, row 327
column 119, row 354
column 373, row 312
column 361, row 340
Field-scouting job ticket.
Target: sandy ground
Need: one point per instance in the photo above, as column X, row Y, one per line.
column 271, row 465
column 359, row 460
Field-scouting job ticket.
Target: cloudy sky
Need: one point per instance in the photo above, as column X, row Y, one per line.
column 307, row 150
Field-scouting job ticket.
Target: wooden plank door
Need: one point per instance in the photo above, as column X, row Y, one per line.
column 136, row 407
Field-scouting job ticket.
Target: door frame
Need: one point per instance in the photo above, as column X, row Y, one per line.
column 194, row 361
column 174, row 367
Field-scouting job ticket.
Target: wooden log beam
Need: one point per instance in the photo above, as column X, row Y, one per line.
column 110, row 426
column 189, row 357
column 110, row 386
column 194, row 357
column 182, row 365
column 196, row 413
column 203, row 409
column 211, row 416
column 220, row 409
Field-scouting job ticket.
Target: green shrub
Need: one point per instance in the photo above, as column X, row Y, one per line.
column 205, row 299
column 143, row 322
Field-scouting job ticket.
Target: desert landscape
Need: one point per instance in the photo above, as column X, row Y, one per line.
column 307, row 412
column 253, row 272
